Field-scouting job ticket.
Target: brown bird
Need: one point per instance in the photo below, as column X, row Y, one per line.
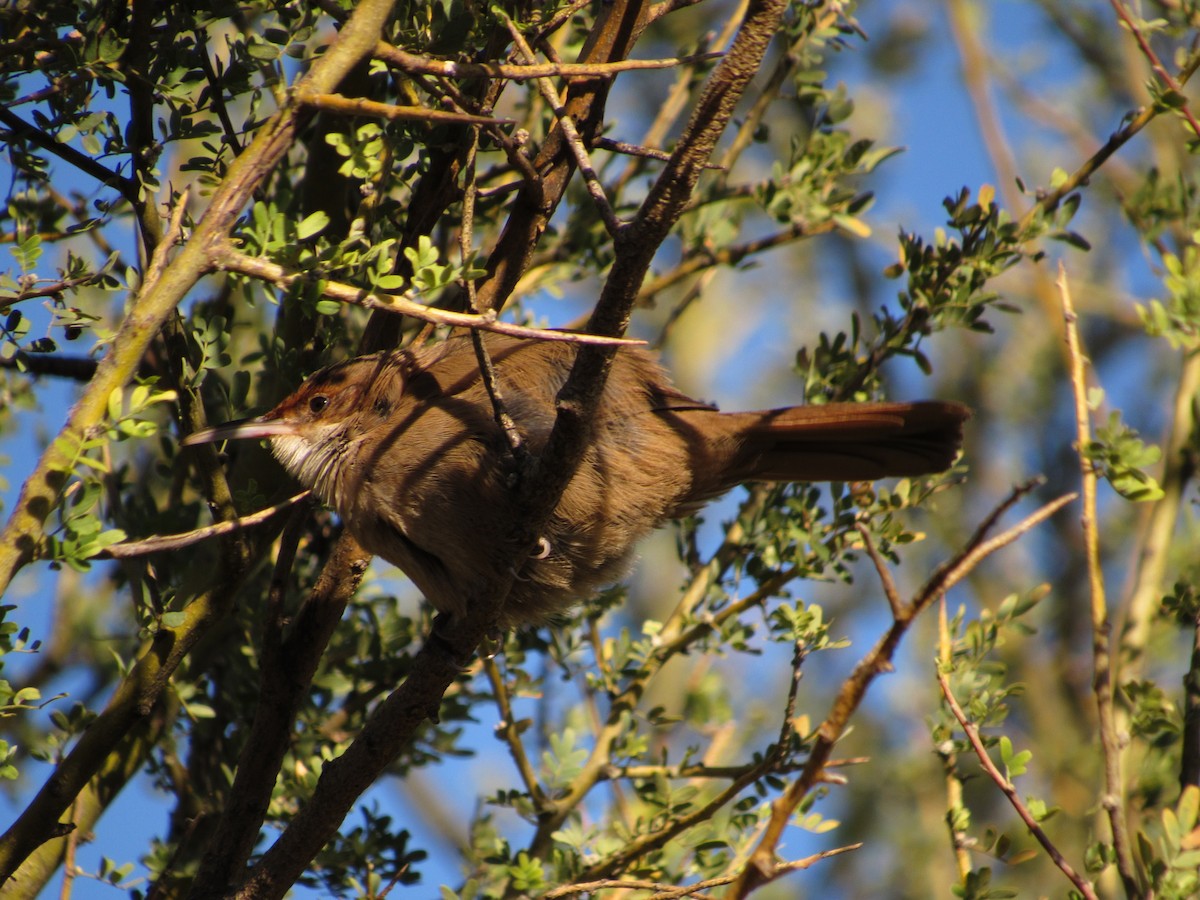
column 405, row 447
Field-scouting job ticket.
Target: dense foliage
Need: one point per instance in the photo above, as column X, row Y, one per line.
column 206, row 203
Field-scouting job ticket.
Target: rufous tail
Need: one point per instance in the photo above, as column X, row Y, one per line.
column 847, row 441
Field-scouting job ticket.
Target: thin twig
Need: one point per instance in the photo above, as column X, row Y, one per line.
column 273, row 615
column 1155, row 63
column 216, row 94
column 358, row 106
column 949, row 757
column 560, row 18
column 487, row 370
column 703, row 770
column 19, row 129
column 963, row 564
column 26, row 291
column 230, row 259
column 638, row 150
column 787, row 725
column 1049, row 200
column 759, row 867
column 703, row 258
column 508, row 731
column 1006, row 786
column 1110, row 744
column 673, row 104
column 173, row 235
column 414, row 63
column 885, row 575
column 574, row 141
column 158, row 543
column 675, row 641
column 504, row 421
column 666, row 892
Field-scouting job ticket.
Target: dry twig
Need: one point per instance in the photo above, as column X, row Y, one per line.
column 158, row 543
column 232, row 260
column 760, row 868
column 1102, row 676
column 1006, row 786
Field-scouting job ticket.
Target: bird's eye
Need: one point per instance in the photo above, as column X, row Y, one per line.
column 318, row 403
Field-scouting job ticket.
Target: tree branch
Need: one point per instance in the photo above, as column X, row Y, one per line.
column 1006, row 787
column 228, row 259
column 760, row 867
column 19, row 543
column 1102, row 675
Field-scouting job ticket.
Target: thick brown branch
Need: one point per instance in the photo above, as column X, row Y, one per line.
column 288, row 669
column 636, row 245
column 618, row 25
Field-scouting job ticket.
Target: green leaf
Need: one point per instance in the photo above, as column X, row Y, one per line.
column 312, row 225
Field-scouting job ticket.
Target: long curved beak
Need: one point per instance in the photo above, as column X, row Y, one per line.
column 241, row 429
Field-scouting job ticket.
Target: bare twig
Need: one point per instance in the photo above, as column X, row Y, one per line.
column 359, row 106
column 508, row 427
column 19, row 129
column 158, row 543
column 510, row 733
column 574, row 141
column 1102, row 676
column 426, row 65
column 759, row 868
column 963, row 565
column 638, row 150
column 1155, row 63
column 673, row 104
column 560, row 18
column 1006, row 786
column 173, row 235
column 730, row 256
column 229, row 132
column 1049, row 200
column 885, row 574
column 487, row 369
column 667, row 892
column 233, row 260
column 703, row 770
column 26, row 291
